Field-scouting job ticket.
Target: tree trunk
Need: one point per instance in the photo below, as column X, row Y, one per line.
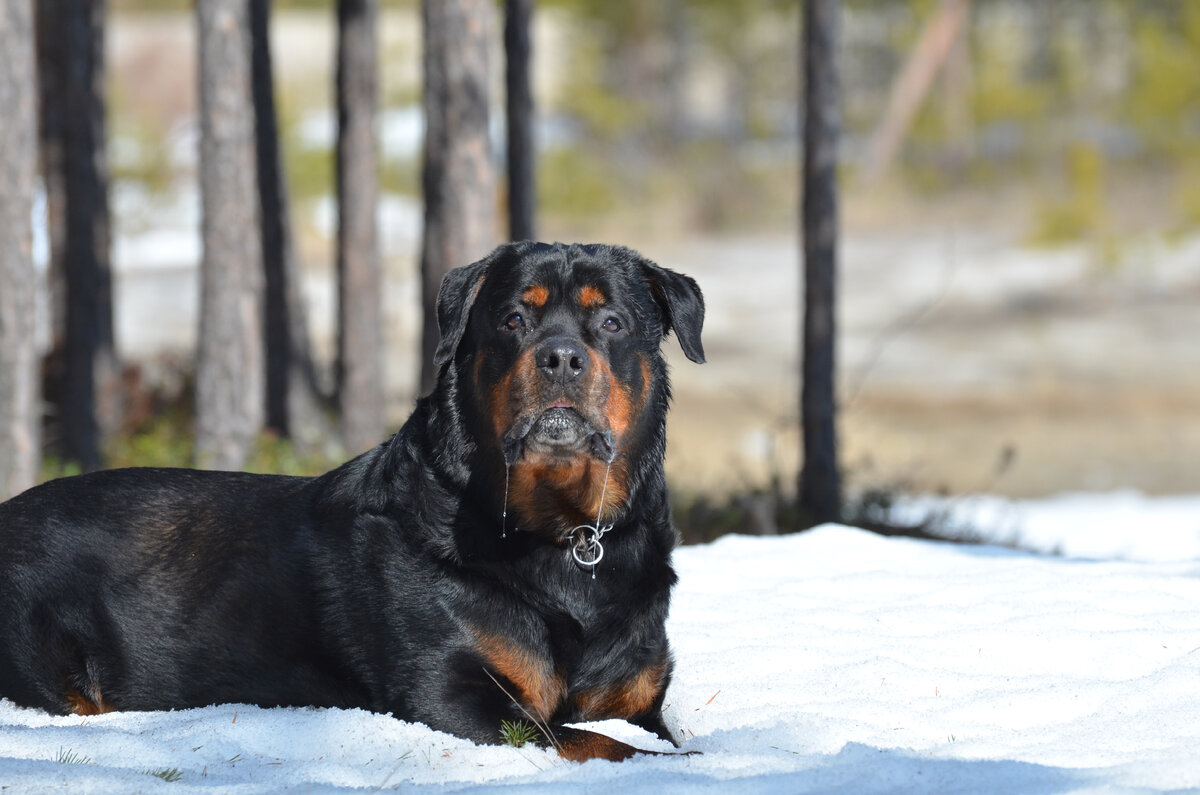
column 360, row 282
column 293, row 399
column 90, row 408
column 457, row 175
column 820, row 480
column 229, row 367
column 912, row 85
column 522, row 187
column 20, row 415
column 51, row 76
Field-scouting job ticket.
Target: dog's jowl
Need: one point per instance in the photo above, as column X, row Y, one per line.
column 505, row 556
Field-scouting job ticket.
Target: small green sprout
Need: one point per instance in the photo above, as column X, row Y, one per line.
column 518, row 733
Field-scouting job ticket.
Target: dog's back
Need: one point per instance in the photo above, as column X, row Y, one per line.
column 113, row 574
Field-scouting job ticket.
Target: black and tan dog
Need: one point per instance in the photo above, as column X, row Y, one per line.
column 505, row 556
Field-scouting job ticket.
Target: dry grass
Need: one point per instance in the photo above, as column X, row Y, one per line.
column 1021, row 442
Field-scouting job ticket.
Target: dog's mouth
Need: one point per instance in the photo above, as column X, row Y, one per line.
column 560, row 431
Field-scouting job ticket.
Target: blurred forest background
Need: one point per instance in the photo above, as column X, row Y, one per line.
column 1019, row 277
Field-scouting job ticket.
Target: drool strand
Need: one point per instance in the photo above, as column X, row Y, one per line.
column 504, row 510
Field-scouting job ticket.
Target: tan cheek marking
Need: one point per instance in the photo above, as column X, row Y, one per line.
column 590, row 297
column 502, row 398
column 536, row 296
column 625, row 700
column 540, row 688
column 618, row 403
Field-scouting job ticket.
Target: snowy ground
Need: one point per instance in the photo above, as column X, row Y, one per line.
column 831, row 661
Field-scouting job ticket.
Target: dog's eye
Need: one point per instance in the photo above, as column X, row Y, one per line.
column 611, row 325
column 515, row 322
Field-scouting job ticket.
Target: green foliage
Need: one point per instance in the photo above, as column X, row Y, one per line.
column 54, row 467
column 168, row 774
column 278, row 456
column 139, row 153
column 1081, row 214
column 576, row 182
column 167, row 441
column 518, row 733
column 152, row 5
column 69, row 757
column 309, row 168
column 1164, row 100
column 188, row 5
column 400, row 175
column 1187, row 197
column 605, row 111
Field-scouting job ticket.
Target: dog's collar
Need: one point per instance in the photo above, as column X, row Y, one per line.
column 585, row 545
column 586, row 548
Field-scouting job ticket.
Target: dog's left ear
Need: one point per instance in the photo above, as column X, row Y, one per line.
column 682, row 306
column 455, row 299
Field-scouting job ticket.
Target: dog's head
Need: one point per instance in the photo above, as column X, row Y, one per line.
column 557, row 371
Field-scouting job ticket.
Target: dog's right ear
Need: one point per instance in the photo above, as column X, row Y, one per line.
column 455, row 299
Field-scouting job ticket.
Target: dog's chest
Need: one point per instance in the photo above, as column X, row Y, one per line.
column 589, row 682
column 573, row 661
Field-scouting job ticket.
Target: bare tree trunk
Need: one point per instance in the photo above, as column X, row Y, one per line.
column 52, row 115
column 457, row 175
column 20, row 415
column 229, row 367
column 293, row 400
column 51, row 76
column 820, row 480
column 522, row 187
column 912, row 85
column 91, row 401
column 360, row 282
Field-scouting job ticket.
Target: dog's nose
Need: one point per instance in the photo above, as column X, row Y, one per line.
column 561, row 359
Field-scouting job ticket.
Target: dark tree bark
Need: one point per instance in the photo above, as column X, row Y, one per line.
column 90, row 406
column 229, row 367
column 360, row 324
column 457, row 174
column 293, row 401
column 51, row 76
column 20, row 415
column 820, row 480
column 522, row 187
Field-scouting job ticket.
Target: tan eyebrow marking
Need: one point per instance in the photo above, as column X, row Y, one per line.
column 536, row 296
column 591, row 297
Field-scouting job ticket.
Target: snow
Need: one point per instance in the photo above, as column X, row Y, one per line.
column 1124, row 524
column 829, row 661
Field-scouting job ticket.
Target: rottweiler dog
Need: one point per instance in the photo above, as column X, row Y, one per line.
column 505, row 556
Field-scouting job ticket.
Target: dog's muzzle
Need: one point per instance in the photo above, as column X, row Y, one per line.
column 558, row 431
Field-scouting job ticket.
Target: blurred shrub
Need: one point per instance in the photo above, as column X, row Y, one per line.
column 168, row 441
column 575, row 182
column 1187, row 198
column 1080, row 214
